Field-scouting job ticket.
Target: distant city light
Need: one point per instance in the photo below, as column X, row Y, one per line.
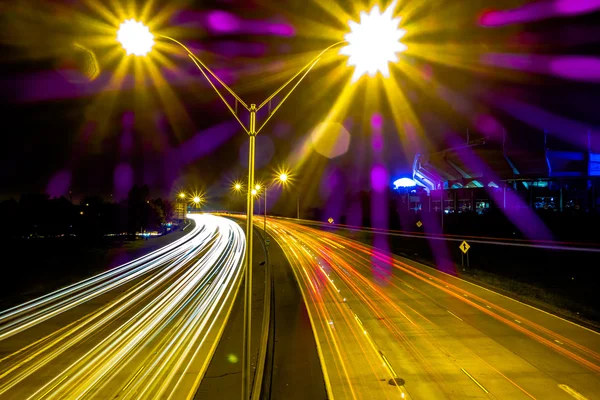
column 135, row 37
column 404, row 182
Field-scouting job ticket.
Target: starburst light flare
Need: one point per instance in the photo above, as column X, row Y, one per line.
column 374, row 42
column 135, row 37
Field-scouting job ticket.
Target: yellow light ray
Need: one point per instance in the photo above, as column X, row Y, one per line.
column 103, row 11
column 178, row 117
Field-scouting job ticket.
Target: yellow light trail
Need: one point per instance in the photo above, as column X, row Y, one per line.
column 144, row 340
column 408, row 340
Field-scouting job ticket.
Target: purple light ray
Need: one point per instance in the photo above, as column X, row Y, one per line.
column 536, row 117
column 538, row 11
column 223, row 22
column 206, row 142
column 379, row 178
column 525, row 219
column 381, row 260
column 59, row 184
column 332, row 189
column 376, row 121
column 577, row 68
column 123, row 180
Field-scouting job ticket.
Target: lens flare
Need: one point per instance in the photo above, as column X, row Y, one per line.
column 135, row 38
column 374, row 42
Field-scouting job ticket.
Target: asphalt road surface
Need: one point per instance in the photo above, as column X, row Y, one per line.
column 388, row 327
column 146, row 329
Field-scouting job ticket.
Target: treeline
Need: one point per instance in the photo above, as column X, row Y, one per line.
column 38, row 215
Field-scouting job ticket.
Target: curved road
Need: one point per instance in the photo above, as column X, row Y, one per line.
column 146, row 329
column 377, row 317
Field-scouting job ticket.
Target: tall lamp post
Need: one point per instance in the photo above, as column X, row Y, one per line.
column 281, row 179
column 371, row 45
column 181, row 205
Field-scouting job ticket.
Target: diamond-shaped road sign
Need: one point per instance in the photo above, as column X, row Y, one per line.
column 464, row 246
column 330, row 220
column 419, row 224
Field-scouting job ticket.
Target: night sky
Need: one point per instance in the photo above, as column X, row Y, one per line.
column 62, row 133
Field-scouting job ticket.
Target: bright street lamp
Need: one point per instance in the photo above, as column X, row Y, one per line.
column 371, row 45
column 281, row 179
column 374, row 42
column 135, row 37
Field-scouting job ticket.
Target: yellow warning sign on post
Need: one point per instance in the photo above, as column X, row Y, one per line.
column 464, row 246
column 419, row 224
column 330, row 220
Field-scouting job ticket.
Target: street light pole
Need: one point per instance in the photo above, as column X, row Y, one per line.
column 246, row 353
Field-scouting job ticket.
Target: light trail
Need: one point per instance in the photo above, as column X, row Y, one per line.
column 146, row 329
column 429, row 327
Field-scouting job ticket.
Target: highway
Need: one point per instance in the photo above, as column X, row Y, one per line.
column 146, row 329
column 377, row 317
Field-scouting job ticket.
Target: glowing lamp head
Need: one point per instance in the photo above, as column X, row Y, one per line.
column 374, row 42
column 197, row 199
column 237, row 186
column 257, row 187
column 404, row 183
column 254, row 192
column 182, row 195
column 135, row 37
column 283, row 177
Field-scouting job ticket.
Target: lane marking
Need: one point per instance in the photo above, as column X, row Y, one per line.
column 558, row 341
column 517, row 321
column 573, row 393
column 454, row 314
column 474, row 380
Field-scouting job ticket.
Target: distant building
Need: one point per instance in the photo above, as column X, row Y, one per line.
column 553, row 176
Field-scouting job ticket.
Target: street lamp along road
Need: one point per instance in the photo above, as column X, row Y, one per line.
column 371, row 45
column 281, row 179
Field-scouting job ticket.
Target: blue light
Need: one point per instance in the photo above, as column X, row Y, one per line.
column 404, row 182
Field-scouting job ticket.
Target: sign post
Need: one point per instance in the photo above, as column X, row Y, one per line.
column 464, row 247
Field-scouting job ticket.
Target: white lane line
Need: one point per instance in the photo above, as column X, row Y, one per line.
column 409, row 286
column 517, row 321
column 573, row 393
column 454, row 314
column 474, row 380
column 488, row 307
column 558, row 341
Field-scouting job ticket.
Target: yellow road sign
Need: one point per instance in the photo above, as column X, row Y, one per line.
column 419, row 224
column 330, row 220
column 464, row 246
